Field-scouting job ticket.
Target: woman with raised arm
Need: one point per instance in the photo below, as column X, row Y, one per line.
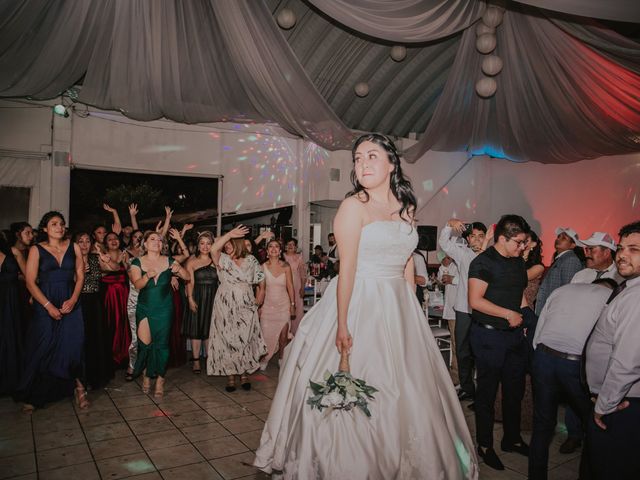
column 299, row 270
column 235, row 339
column 55, row 339
column 151, row 276
column 115, row 293
column 370, row 312
column 134, row 250
column 279, row 305
column 201, row 290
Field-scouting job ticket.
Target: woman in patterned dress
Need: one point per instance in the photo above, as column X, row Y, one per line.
column 235, row 338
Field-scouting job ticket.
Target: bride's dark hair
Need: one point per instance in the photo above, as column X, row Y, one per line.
column 400, row 185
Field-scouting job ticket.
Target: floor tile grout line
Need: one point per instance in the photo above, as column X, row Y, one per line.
column 84, row 434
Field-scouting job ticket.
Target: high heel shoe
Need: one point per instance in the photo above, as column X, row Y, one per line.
column 245, row 383
column 231, row 384
column 196, row 366
column 81, row 398
column 146, row 384
column 158, row 393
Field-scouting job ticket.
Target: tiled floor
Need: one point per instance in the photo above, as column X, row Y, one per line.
column 196, row 431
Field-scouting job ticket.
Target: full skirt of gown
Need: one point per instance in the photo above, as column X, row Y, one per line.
column 417, row 429
column 54, row 349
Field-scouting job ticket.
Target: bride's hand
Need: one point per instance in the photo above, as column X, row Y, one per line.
column 343, row 340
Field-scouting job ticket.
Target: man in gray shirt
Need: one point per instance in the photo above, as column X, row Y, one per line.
column 463, row 252
column 565, row 322
column 613, row 371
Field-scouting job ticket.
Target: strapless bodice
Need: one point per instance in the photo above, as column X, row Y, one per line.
column 384, row 249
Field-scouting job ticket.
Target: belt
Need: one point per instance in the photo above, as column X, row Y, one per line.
column 491, row 327
column 556, row 353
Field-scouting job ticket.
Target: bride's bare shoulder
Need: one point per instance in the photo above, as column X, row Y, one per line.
column 352, row 207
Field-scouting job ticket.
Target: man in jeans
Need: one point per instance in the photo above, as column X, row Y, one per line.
column 564, row 324
column 497, row 280
column 463, row 250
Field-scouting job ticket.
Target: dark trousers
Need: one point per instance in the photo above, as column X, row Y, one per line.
column 501, row 357
column 463, row 352
column 613, row 453
column 554, row 380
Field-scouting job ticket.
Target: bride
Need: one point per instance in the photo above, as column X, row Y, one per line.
column 417, row 429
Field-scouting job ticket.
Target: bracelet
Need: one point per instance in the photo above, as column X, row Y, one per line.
column 45, row 305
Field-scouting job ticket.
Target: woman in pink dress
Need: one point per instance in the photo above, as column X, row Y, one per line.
column 279, row 302
column 299, row 271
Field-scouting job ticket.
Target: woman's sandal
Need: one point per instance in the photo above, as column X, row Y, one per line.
column 245, row 383
column 146, row 384
column 159, row 390
column 81, row 398
column 194, row 369
column 231, row 384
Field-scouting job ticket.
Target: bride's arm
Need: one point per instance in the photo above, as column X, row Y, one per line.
column 347, row 227
column 410, row 273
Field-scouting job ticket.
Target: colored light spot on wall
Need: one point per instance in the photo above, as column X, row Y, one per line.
column 445, row 190
column 227, row 148
column 427, row 185
column 242, row 159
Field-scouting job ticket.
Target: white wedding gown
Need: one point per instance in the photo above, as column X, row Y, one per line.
column 417, row 429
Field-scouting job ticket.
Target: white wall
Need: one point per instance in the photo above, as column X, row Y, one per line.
column 266, row 167
column 592, row 195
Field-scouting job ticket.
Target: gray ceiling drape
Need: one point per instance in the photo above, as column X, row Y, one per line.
column 404, row 21
column 619, row 10
column 196, row 61
column 558, row 99
column 569, row 89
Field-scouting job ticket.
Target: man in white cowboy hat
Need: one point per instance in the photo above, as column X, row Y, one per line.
column 565, row 265
column 600, row 254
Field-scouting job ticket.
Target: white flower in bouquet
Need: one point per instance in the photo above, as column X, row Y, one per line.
column 332, row 400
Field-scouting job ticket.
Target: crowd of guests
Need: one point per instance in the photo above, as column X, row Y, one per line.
column 529, row 338
column 74, row 309
column 77, row 307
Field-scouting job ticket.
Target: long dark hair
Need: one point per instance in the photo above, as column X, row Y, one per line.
column 535, row 255
column 400, row 185
column 42, row 235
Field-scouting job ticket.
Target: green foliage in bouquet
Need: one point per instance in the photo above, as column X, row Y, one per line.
column 340, row 391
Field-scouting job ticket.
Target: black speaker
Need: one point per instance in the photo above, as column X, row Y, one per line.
column 427, row 237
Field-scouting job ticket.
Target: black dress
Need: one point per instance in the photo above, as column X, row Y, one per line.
column 196, row 325
column 10, row 328
column 97, row 335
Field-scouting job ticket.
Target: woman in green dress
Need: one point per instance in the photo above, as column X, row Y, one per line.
column 151, row 275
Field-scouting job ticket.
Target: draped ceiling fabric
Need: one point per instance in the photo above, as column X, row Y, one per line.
column 569, row 89
column 195, row 61
column 558, row 99
column 404, row 21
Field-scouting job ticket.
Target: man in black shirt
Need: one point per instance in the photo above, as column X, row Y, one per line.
column 497, row 279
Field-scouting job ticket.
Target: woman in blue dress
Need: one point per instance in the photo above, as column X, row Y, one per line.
column 54, row 344
column 10, row 316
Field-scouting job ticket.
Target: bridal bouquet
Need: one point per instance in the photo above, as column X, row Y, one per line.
column 340, row 391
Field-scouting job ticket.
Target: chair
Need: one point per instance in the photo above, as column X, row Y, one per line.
column 443, row 339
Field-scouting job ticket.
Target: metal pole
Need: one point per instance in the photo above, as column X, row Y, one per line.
column 219, row 206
